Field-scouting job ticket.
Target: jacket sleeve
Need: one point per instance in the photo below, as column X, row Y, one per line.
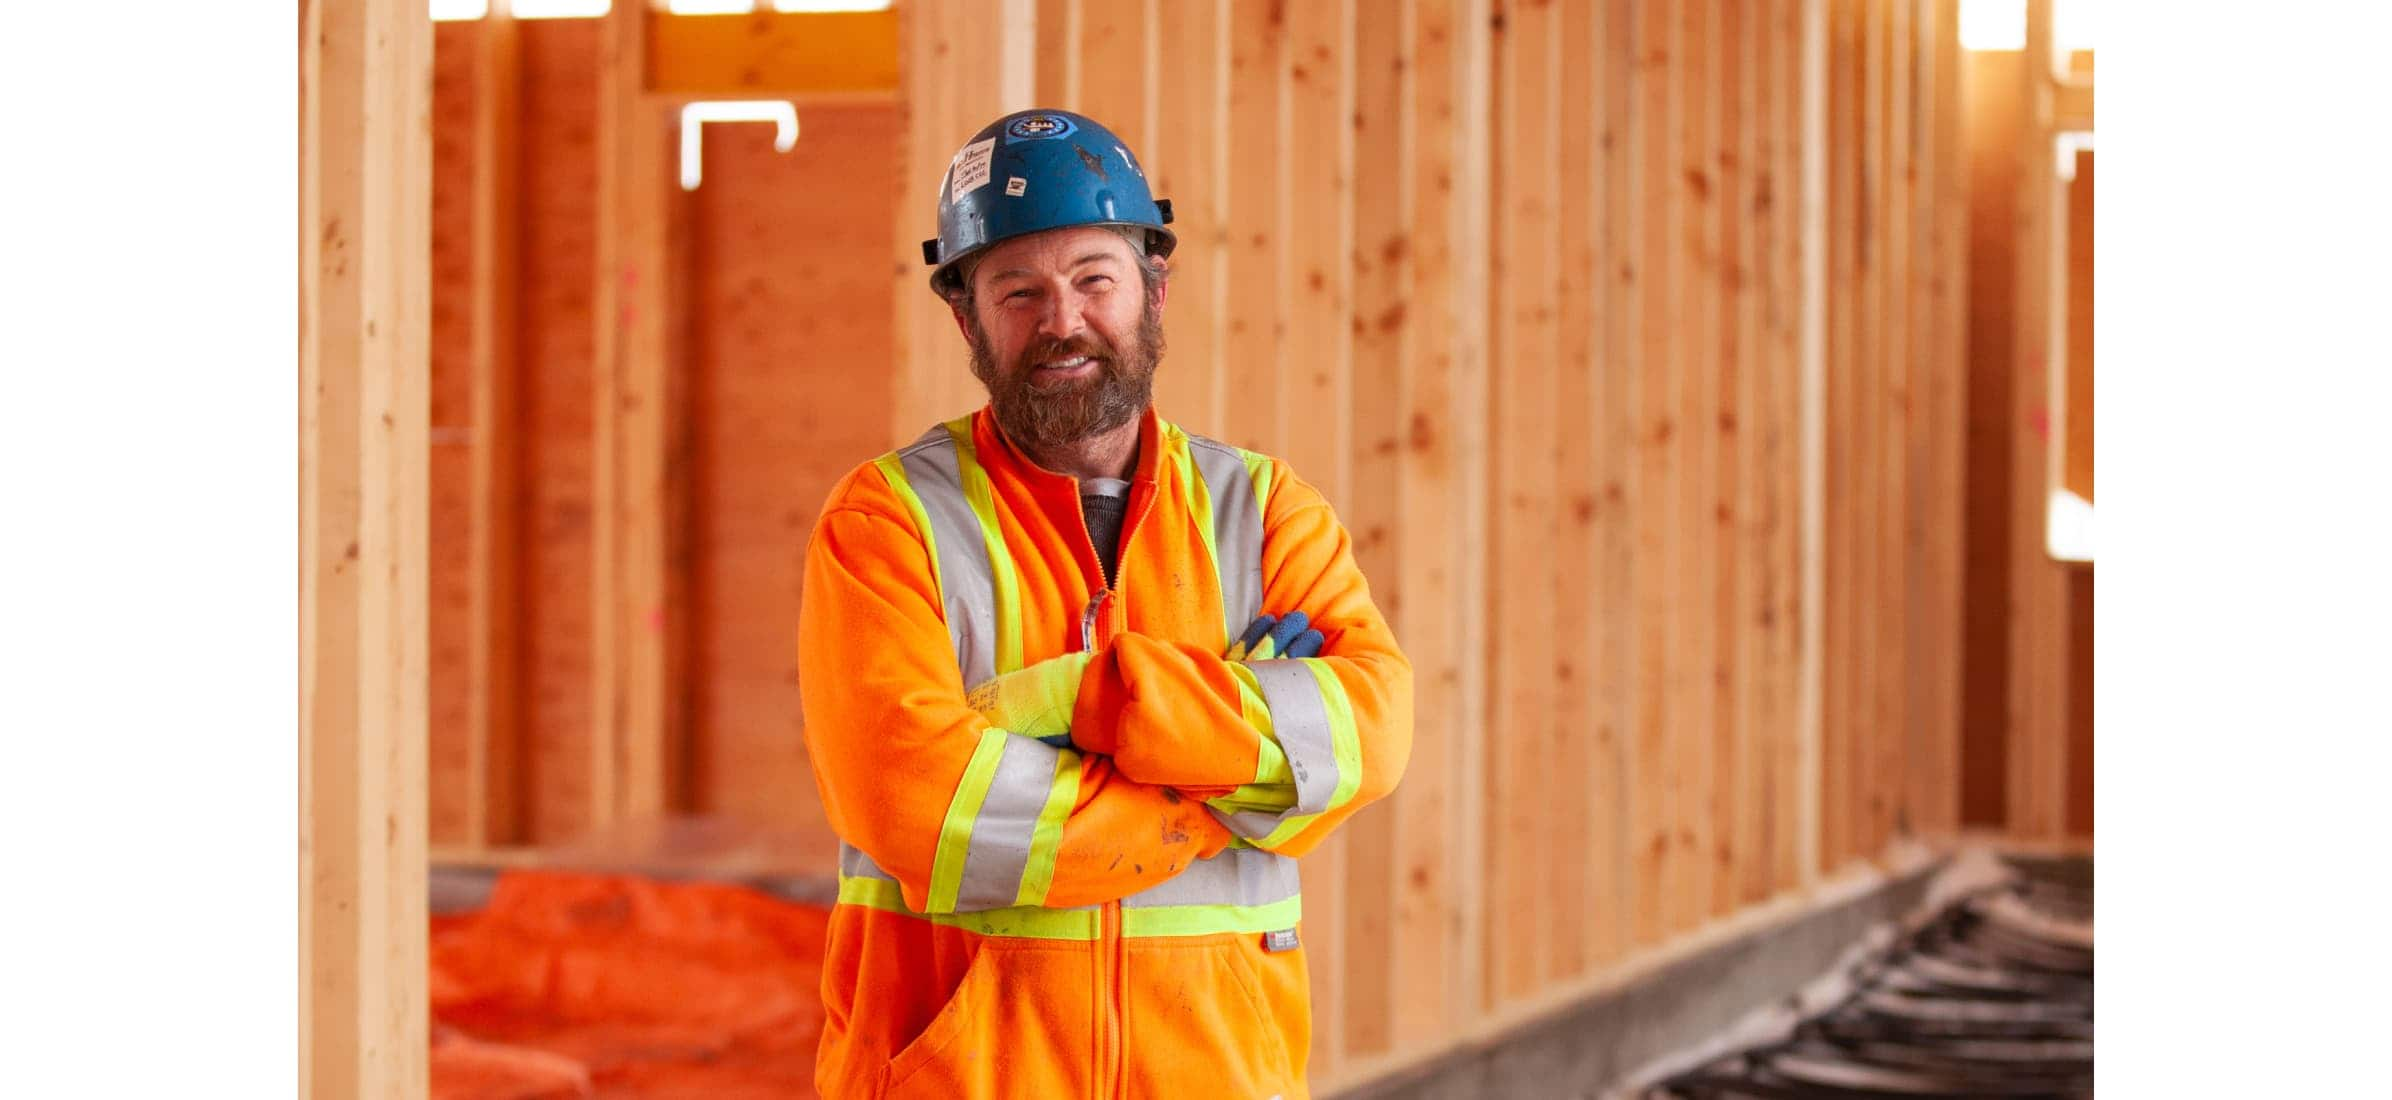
column 963, row 815
column 1336, row 727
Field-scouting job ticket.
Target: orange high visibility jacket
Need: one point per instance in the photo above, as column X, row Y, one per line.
column 1120, row 918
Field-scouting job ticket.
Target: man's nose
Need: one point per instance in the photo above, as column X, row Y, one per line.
column 1060, row 319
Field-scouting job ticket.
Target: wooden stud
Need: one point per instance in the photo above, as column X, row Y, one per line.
column 1613, row 838
column 1892, row 655
column 633, row 401
column 1991, row 199
column 1934, row 636
column 1256, row 310
column 365, row 181
column 1522, row 503
column 1374, row 512
column 1315, row 430
column 1436, row 806
column 1582, row 828
column 1189, row 164
column 1872, row 652
column 1059, row 60
column 2038, row 630
column 1115, row 75
column 456, row 750
column 1693, row 697
column 1737, row 809
column 495, row 714
column 1840, row 601
column 1952, row 277
column 1776, row 212
column 1745, row 620
column 1420, row 275
column 1654, row 791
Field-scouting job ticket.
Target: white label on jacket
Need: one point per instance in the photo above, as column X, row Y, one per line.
column 1282, row 940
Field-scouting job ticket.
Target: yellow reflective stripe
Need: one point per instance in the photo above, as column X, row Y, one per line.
column 1261, row 798
column 893, row 468
column 1205, row 920
column 1344, row 741
column 982, row 498
column 1260, row 467
column 955, row 833
column 1028, row 922
column 1270, row 763
column 1347, row 737
column 1046, row 841
column 1032, row 922
column 1199, row 498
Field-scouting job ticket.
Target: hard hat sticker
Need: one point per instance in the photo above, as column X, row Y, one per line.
column 1015, row 185
column 1040, row 126
column 970, row 169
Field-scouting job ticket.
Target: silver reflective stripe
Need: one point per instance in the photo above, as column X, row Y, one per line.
column 853, row 863
column 1001, row 832
column 965, row 580
column 1237, row 529
column 1301, row 720
column 1237, row 876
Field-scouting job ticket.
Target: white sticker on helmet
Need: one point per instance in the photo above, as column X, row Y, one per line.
column 970, row 169
column 1015, row 185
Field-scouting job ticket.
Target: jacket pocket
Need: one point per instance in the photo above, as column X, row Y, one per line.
column 1020, row 1023
column 1200, row 1025
column 944, row 1028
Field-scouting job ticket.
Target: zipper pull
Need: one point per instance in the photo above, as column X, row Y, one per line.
column 1088, row 618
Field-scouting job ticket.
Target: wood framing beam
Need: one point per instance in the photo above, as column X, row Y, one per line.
column 770, row 54
column 1811, row 345
column 632, row 404
column 365, row 162
column 495, row 727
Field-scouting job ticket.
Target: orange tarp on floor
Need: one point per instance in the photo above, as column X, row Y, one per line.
column 588, row 985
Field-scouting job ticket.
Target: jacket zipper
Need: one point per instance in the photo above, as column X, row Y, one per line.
column 1114, row 1077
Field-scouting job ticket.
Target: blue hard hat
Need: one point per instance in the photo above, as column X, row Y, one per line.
column 1038, row 170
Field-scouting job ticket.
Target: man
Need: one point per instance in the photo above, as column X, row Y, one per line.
column 1070, row 757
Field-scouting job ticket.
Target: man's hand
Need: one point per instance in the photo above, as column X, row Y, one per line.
column 1035, row 701
column 1268, row 637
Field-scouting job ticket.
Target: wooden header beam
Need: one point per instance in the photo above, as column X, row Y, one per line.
column 767, row 55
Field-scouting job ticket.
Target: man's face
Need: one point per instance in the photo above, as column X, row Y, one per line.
column 1064, row 335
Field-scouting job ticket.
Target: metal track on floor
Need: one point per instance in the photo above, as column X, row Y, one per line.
column 1991, row 997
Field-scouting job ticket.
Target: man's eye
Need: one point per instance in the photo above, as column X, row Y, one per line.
column 1097, row 282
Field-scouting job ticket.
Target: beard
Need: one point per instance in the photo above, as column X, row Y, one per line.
column 1043, row 418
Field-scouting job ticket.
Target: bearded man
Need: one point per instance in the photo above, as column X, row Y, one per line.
column 1079, row 686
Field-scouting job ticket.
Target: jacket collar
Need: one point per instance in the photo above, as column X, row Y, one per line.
column 998, row 453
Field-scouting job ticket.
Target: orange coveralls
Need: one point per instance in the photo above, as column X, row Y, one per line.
column 1145, row 944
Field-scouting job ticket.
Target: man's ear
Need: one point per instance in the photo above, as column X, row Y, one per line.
column 961, row 325
column 1162, row 286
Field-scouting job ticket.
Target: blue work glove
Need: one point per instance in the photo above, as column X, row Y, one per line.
column 1269, row 637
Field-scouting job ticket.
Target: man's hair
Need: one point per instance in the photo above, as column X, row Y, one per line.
column 1153, row 271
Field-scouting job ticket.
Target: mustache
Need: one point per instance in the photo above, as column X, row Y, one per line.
column 1050, row 350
